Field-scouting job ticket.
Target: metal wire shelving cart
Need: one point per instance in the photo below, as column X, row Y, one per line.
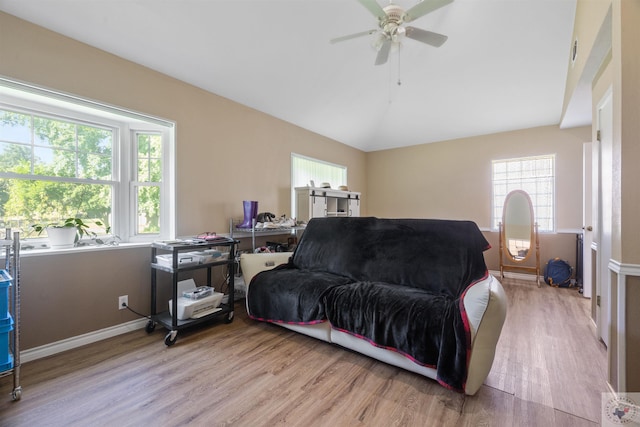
column 10, row 317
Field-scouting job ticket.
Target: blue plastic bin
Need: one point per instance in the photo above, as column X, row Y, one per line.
column 6, row 326
column 8, row 365
column 6, row 321
column 5, row 282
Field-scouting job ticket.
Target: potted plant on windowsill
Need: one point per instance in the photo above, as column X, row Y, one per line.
column 66, row 234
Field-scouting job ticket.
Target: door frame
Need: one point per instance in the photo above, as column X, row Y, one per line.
column 587, row 220
column 603, row 224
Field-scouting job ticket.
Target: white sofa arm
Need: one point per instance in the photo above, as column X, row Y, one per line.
column 486, row 307
column 252, row 264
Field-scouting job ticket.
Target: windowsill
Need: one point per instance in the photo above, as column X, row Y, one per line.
column 81, row 249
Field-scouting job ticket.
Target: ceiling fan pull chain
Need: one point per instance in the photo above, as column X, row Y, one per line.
column 399, row 51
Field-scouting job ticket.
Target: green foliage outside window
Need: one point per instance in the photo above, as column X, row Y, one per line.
column 149, row 157
column 53, row 169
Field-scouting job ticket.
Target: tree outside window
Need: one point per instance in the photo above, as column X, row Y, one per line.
column 52, row 169
column 149, row 177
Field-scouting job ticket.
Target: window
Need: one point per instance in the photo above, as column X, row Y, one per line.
column 147, row 182
column 536, row 176
column 305, row 169
column 63, row 157
column 53, row 169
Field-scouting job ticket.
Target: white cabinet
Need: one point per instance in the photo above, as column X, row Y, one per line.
column 354, row 206
column 323, row 202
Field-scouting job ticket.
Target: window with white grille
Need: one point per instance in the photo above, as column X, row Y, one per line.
column 536, row 176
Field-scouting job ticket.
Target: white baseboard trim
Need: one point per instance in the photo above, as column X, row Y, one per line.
column 80, row 340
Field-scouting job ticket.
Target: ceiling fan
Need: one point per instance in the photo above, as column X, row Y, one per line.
column 391, row 29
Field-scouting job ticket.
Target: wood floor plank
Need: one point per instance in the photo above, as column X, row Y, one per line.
column 548, row 351
column 488, row 408
column 549, row 370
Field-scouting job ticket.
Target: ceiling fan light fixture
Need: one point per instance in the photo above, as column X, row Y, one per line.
column 398, row 35
column 378, row 41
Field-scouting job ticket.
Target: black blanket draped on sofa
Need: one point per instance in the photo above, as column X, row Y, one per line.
column 394, row 282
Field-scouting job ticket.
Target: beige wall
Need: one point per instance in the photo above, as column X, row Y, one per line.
column 452, row 179
column 63, row 296
column 627, row 127
column 226, row 153
column 626, row 213
column 590, row 15
column 620, row 73
column 632, row 344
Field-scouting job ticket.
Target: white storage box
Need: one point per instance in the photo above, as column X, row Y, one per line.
column 184, row 260
column 208, row 255
column 194, row 308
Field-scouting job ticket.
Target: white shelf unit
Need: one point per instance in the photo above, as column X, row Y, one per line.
column 313, row 202
column 253, row 232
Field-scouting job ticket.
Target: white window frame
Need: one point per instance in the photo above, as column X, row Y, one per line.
column 134, row 184
column 318, row 180
column 530, row 185
column 21, row 97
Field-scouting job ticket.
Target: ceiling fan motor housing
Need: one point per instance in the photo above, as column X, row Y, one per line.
column 391, row 24
column 394, row 13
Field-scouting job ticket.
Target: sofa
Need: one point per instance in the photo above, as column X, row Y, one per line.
column 414, row 293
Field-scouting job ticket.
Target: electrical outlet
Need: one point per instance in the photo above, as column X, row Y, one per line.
column 123, row 302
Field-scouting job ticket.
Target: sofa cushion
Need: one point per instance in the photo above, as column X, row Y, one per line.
column 290, row 295
column 424, row 326
column 441, row 256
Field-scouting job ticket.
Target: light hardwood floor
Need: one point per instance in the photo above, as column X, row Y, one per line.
column 549, row 370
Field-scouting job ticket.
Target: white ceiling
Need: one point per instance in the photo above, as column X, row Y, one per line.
column 503, row 67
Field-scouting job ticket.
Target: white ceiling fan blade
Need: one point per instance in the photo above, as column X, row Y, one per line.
column 383, row 53
column 374, row 8
column 352, row 36
column 424, row 36
column 424, row 7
